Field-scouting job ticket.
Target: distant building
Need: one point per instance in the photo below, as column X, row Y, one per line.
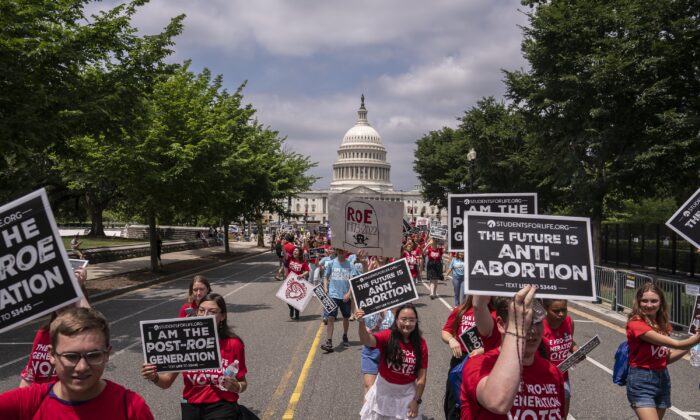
column 362, row 168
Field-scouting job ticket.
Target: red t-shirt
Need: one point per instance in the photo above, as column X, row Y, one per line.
column 643, row 354
column 404, row 374
column 466, row 323
column 183, row 310
column 493, row 341
column 202, row 386
column 435, row 254
column 558, row 343
column 540, row 396
column 36, row 403
column 412, row 263
column 39, row 370
column 298, row 267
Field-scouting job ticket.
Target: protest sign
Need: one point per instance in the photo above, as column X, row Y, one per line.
column 695, row 318
column 76, row 264
column 360, row 223
column 383, row 288
column 328, row 303
column 295, row 291
column 579, row 354
column 422, row 221
column 457, row 204
column 316, row 253
column 181, row 344
column 36, row 277
column 406, row 226
column 686, row 220
column 438, row 232
column 505, row 252
column 471, row 340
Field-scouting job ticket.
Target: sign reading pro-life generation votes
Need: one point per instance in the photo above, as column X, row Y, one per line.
column 35, row 275
column 457, row 204
column 686, row 220
column 361, row 223
column 383, row 288
column 180, row 344
column 506, row 252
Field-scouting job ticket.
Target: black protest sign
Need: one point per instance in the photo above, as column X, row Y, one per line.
column 406, row 226
column 181, row 344
column 471, row 340
column 457, row 204
column 686, row 220
column 438, row 232
column 328, row 303
column 386, row 287
column 316, row 253
column 35, row 275
column 579, row 354
column 506, row 252
column 695, row 319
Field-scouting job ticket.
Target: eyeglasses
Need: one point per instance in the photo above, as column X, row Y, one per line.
column 93, row 358
column 201, row 311
column 408, row 320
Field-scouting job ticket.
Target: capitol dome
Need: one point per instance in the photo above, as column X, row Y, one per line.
column 361, row 158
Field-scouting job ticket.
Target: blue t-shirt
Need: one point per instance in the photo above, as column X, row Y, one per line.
column 457, row 266
column 339, row 275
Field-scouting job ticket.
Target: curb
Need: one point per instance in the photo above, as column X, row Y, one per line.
column 609, row 315
column 165, row 278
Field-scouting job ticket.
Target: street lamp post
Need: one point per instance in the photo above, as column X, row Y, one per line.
column 471, row 158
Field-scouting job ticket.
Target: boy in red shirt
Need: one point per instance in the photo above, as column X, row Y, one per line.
column 79, row 351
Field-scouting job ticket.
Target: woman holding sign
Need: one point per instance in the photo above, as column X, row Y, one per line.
column 434, row 253
column 648, row 329
column 210, row 394
column 199, row 287
column 558, row 339
column 300, row 267
column 403, row 367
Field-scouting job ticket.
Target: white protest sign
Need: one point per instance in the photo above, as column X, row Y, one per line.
column 36, row 277
column 296, row 291
column 361, row 223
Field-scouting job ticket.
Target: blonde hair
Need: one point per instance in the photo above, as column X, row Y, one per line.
column 660, row 324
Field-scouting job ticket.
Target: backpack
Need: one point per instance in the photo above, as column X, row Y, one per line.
column 278, row 249
column 622, row 364
column 455, row 380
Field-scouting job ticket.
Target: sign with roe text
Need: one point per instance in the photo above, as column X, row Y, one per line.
column 181, row 344
column 36, row 277
column 686, row 220
column 361, row 223
column 383, row 288
column 457, row 204
column 505, row 252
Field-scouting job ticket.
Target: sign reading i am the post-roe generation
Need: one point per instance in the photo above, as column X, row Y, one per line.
column 181, row 344
column 686, row 220
column 35, row 275
column 383, row 288
column 457, row 204
column 505, row 252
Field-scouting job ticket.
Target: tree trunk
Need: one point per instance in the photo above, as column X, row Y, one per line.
column 226, row 246
column 261, row 233
column 152, row 239
column 96, row 224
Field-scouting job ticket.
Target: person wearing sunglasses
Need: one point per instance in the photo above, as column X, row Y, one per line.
column 514, row 380
column 213, row 393
column 79, row 352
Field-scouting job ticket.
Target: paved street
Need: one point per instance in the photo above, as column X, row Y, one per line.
column 290, row 378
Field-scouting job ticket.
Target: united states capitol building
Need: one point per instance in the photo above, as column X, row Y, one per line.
column 362, row 168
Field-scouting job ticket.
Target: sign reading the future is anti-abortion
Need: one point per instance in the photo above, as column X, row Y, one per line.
column 360, row 223
column 35, row 275
column 686, row 220
column 506, row 252
column 181, row 344
column 383, row 288
column 457, row 204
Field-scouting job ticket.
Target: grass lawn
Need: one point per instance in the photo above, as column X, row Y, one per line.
column 107, row 242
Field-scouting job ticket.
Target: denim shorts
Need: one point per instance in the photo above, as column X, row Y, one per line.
column 369, row 360
column 647, row 388
column 344, row 309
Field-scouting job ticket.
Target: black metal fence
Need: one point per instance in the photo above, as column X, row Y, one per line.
column 649, row 246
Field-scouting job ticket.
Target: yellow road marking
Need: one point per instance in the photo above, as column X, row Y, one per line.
column 296, row 395
column 598, row 320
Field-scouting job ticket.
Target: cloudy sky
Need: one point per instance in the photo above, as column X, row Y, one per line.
column 420, row 64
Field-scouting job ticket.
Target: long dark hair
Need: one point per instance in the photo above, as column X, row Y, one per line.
column 392, row 350
column 463, row 308
column 225, row 331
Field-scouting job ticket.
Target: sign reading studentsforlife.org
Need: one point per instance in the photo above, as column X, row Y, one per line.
column 686, row 220
column 181, row 344
column 35, row 275
column 383, row 288
column 457, row 204
column 506, row 252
